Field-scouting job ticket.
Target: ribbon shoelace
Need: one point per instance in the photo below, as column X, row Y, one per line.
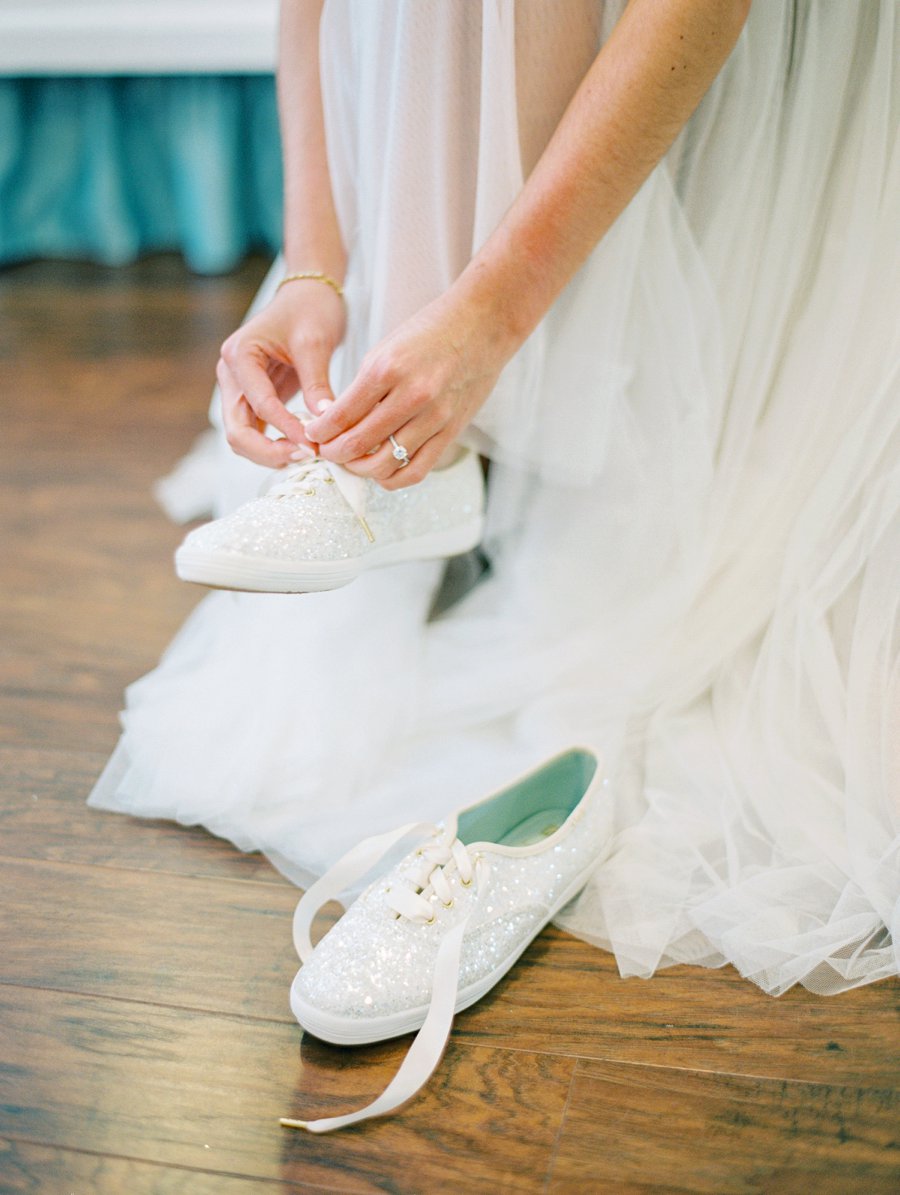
column 409, row 898
column 298, row 478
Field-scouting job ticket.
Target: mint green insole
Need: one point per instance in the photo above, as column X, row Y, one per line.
column 536, row 828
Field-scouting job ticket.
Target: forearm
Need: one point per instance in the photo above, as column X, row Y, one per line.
column 641, row 89
column 312, row 238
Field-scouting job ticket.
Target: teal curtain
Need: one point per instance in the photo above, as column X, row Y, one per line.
column 111, row 168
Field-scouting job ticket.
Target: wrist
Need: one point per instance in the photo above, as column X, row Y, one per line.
column 488, row 312
column 316, row 276
column 506, row 293
column 314, row 255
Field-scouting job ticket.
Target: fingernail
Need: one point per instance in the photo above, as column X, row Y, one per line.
column 301, row 454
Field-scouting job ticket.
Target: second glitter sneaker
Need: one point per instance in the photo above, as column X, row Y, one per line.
column 317, row 527
column 437, row 930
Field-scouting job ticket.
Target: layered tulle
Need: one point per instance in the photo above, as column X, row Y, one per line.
column 694, row 507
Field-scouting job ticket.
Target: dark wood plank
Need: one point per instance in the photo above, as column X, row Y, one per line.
column 117, row 368
column 103, row 313
column 570, row 996
column 193, row 942
column 563, row 996
column 81, row 618
column 27, row 1169
column 205, row 1091
column 642, row 1128
column 43, row 815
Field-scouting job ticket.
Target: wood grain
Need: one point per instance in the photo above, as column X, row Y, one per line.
column 563, row 994
column 569, row 995
column 146, row 1042
column 192, row 942
column 106, row 378
column 29, row 1169
column 205, row 1091
column 43, row 816
column 633, row 1128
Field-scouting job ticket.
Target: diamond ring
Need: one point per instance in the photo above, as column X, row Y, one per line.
column 399, row 452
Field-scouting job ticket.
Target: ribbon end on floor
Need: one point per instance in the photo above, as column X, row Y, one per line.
column 292, row 1124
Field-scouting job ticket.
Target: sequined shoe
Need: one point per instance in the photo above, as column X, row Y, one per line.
column 435, row 933
column 318, row 527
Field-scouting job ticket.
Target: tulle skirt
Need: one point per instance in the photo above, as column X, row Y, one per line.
column 694, row 510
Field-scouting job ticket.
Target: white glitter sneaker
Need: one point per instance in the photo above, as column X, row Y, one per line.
column 318, row 527
column 435, row 933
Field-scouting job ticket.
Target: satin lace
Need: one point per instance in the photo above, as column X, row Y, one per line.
column 435, row 863
column 429, row 875
column 301, row 477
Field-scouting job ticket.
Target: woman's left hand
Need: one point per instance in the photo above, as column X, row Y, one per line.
column 422, row 384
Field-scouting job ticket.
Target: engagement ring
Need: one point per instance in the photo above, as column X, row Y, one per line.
column 400, row 454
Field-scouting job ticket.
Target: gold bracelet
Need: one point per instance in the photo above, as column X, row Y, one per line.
column 315, row 277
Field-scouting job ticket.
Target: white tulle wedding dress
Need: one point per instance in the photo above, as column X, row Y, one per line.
column 694, row 505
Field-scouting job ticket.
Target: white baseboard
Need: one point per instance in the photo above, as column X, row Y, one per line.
column 53, row 37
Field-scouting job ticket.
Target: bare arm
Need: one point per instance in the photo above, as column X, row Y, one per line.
column 289, row 345
column 646, row 82
column 312, row 239
column 427, row 380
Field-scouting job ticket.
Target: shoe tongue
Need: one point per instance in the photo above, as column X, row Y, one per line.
column 445, row 836
column 448, row 829
column 281, row 480
column 351, row 487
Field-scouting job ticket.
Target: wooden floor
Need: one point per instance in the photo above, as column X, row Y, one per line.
column 146, row 1044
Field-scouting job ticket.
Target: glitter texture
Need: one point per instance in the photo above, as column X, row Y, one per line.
column 311, row 520
column 374, row 963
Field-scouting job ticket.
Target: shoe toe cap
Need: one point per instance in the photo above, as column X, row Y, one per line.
column 368, row 967
column 288, row 531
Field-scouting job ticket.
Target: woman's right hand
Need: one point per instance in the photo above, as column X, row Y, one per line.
column 285, row 348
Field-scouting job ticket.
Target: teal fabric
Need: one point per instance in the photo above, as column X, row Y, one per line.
column 110, row 168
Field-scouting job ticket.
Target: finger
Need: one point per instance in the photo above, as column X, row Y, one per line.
column 422, row 463
column 257, row 388
column 312, row 364
column 395, row 411
column 371, row 385
column 244, row 431
column 285, row 380
column 383, row 464
column 367, row 436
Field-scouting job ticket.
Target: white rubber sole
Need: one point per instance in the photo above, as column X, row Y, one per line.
column 260, row 574
column 349, row 1031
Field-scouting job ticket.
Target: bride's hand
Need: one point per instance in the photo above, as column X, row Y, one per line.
column 423, row 384
column 285, row 348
